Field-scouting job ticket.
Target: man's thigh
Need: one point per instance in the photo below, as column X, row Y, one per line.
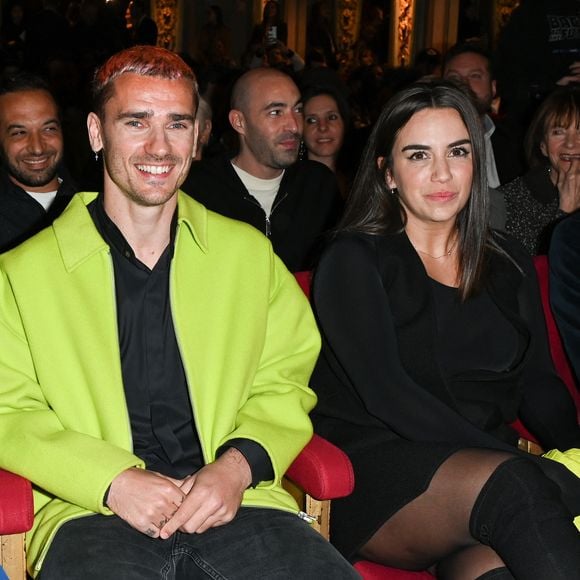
column 98, row 547
column 261, row 543
column 258, row 543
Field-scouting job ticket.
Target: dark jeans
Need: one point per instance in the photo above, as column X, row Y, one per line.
column 257, row 544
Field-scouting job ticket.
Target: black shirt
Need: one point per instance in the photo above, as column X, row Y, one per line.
column 156, row 388
column 21, row 216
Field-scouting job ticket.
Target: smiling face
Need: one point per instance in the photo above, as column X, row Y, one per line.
column 269, row 123
column 432, row 167
column 148, row 137
column 323, row 127
column 561, row 145
column 31, row 139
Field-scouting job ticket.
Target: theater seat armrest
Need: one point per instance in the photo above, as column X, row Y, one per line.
column 322, row 470
column 16, row 506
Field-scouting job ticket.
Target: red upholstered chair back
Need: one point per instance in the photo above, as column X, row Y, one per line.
column 305, row 280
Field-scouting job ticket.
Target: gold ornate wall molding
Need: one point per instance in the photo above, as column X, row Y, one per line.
column 165, row 13
column 402, row 32
column 503, row 11
column 347, row 28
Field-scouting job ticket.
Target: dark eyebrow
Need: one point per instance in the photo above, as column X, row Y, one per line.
column 182, row 117
column 460, row 142
column 277, row 105
column 134, row 115
column 55, row 120
column 149, row 114
column 427, row 147
column 47, row 122
column 413, row 147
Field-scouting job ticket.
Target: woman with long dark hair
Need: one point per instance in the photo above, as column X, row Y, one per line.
column 326, row 126
column 433, row 344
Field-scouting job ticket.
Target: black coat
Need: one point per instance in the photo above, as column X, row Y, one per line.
column 308, row 203
column 508, row 152
column 384, row 396
column 564, row 259
column 378, row 367
column 21, row 216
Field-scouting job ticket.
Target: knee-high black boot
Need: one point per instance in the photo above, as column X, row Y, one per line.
column 520, row 515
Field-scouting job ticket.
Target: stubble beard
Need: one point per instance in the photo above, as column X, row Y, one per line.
column 150, row 194
column 31, row 178
column 269, row 154
column 283, row 159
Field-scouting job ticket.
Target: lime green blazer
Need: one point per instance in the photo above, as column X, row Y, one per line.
column 246, row 335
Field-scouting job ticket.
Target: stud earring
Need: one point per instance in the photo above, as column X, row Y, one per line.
column 394, row 191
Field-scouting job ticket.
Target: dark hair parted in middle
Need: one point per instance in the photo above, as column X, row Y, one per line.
column 315, row 90
column 372, row 208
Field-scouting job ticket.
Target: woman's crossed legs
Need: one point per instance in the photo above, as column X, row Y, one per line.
column 484, row 513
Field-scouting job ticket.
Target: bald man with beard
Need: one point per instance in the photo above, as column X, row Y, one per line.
column 292, row 202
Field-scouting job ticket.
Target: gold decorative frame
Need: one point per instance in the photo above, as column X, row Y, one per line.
column 503, row 11
column 347, row 28
column 165, row 15
column 402, row 31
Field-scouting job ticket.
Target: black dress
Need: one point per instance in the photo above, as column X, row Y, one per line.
column 408, row 374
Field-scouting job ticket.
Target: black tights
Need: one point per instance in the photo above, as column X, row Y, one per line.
column 485, row 514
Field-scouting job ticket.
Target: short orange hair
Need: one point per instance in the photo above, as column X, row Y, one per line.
column 149, row 61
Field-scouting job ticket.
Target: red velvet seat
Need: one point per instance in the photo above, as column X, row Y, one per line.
column 372, row 571
column 16, row 517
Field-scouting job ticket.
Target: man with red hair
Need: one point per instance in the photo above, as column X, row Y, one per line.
column 149, row 387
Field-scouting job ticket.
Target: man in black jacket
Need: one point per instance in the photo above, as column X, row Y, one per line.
column 292, row 202
column 34, row 188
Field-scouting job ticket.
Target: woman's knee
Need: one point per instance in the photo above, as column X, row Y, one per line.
column 477, row 561
column 517, row 491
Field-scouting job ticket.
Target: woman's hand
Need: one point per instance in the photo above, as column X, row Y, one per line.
column 568, row 184
column 572, row 77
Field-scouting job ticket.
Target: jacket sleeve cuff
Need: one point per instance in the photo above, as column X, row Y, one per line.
column 256, row 456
